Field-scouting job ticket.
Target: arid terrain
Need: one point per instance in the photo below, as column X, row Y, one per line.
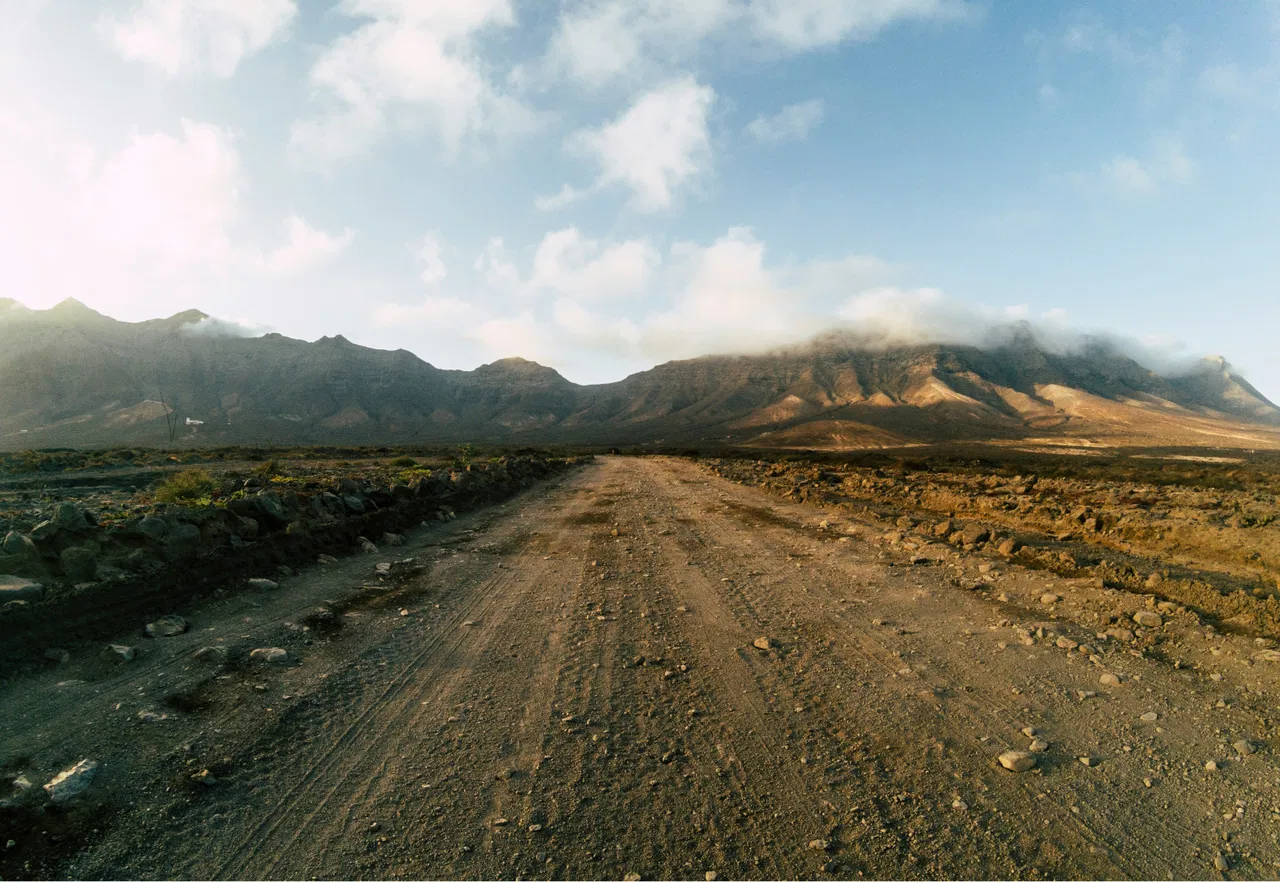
column 640, row 666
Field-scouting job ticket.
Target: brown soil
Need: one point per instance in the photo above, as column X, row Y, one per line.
column 553, row 695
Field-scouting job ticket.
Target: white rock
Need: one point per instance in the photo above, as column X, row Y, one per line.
column 269, row 655
column 262, row 584
column 119, row 653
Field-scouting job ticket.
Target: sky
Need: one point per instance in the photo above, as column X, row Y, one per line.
column 603, row 185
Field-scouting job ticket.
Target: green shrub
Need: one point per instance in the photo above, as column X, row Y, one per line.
column 186, row 486
column 267, row 470
column 404, row 462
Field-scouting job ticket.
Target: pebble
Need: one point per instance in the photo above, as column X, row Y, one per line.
column 631, row 877
column 1244, row 748
column 214, row 655
column 1220, row 863
column 1038, row 745
column 269, row 655
column 1149, row 717
column 1030, row 731
column 1018, row 760
column 205, row 777
column 959, row 805
column 1066, row 643
column 711, row 876
column 762, row 643
column 1088, row 761
column 167, row 626
column 119, row 653
column 262, row 584
column 1211, row 766
column 1048, row 598
column 1109, row 680
column 819, row 844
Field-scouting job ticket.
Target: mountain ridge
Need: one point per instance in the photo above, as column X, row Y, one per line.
column 76, row 378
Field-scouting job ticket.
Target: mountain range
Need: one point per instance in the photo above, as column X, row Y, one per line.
column 70, row 376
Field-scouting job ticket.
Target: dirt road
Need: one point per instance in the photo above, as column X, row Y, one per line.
column 569, row 688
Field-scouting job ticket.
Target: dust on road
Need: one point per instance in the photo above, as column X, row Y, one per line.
column 567, row 686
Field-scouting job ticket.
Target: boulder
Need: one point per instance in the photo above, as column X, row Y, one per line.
column 354, row 504
column 79, row 563
column 68, row 517
column 20, row 546
column 152, row 527
column 16, row 588
column 183, row 542
column 246, row 528
column 167, row 626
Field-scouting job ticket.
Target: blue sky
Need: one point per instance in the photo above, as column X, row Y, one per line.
column 602, row 185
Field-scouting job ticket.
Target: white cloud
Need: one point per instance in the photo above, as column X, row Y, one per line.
column 599, row 41
column 306, row 249
column 496, row 268
column 1127, row 175
column 411, row 61
column 164, row 199
column 569, row 264
column 791, row 123
column 798, row 25
column 452, row 312
column 198, row 36
column 656, row 147
column 567, row 196
column 427, row 252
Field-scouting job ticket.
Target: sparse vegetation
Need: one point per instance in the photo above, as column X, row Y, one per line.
column 188, row 486
column 403, row 462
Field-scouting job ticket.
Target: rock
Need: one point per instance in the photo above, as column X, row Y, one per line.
column 1122, row 634
column 61, row 656
column 212, row 655
column 262, row 584
column 973, row 534
column 366, row 546
column 79, row 563
column 944, row 529
column 1109, row 680
column 16, row 588
column 631, row 877
column 1038, row 745
column 70, row 783
column 246, row 528
column 1244, row 747
column 1211, row 766
column 1049, row 597
column 1030, row 731
column 1148, row 619
column 1009, row 547
column 326, row 559
column 354, row 504
column 271, row 655
column 167, row 626
column 205, row 777
column 1154, row 581
column 1088, row 761
column 1149, row 717
column 1220, row 863
column 152, row 527
column 1267, row 655
column 1018, row 760
column 68, row 517
column 819, row 844
column 762, row 643
column 392, row 539
column 117, row 652
column 20, row 546
column 183, row 542
column 1066, row 643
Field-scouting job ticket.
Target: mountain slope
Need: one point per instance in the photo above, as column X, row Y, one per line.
column 74, row 377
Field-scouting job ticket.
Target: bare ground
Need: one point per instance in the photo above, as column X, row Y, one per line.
column 568, row 689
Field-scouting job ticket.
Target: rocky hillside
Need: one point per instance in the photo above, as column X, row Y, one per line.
column 75, row 377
